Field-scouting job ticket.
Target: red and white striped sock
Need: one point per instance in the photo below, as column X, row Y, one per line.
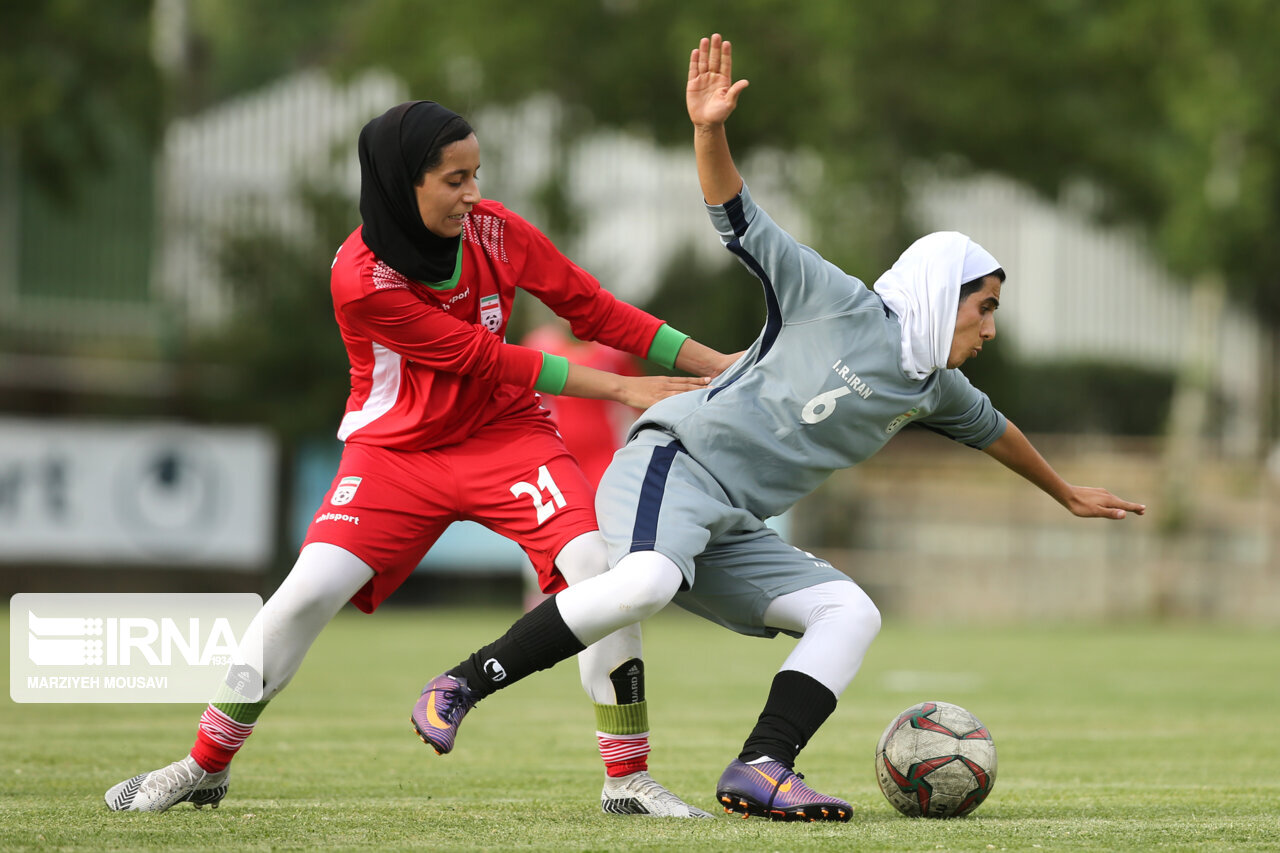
column 624, row 754
column 218, row 738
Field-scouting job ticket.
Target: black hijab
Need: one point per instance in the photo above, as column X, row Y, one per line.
column 393, row 148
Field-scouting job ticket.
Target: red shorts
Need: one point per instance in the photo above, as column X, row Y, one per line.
column 388, row 507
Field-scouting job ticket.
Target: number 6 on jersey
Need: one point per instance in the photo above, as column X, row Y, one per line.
column 545, row 484
column 820, row 407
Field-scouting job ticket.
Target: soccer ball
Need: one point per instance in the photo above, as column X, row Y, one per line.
column 936, row 760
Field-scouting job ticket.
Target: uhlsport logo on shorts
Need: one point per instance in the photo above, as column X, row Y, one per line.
column 346, row 491
column 134, row 648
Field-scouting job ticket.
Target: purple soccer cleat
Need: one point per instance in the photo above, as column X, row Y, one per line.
column 439, row 711
column 771, row 789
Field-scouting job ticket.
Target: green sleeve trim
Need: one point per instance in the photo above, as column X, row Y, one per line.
column 630, row 719
column 666, row 346
column 554, row 373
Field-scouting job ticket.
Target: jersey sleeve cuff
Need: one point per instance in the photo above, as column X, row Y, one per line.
column 553, row 375
column 666, row 346
column 732, row 218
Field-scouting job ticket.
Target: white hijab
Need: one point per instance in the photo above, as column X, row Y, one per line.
column 923, row 289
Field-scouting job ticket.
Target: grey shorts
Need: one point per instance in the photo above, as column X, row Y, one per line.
column 655, row 497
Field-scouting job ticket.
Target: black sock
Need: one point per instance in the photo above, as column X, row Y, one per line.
column 798, row 705
column 537, row 640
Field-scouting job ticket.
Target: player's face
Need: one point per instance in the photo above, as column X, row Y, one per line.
column 975, row 322
column 449, row 191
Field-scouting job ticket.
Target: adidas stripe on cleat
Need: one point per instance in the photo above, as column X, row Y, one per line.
column 772, row 790
column 181, row 782
column 641, row 794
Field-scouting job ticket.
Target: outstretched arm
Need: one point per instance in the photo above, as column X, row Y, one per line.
column 1016, row 453
column 711, row 97
column 640, row 392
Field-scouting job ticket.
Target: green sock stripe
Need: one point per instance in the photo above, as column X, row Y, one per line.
column 241, row 712
column 630, row 719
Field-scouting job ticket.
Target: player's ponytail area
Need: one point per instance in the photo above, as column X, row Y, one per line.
column 1123, row 737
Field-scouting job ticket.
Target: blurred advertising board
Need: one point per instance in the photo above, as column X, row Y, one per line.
column 137, row 493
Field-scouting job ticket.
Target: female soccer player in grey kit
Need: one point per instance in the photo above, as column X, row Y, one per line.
column 836, row 372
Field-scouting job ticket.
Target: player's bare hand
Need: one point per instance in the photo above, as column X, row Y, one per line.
column 712, row 94
column 1092, row 502
column 643, row 391
column 724, row 362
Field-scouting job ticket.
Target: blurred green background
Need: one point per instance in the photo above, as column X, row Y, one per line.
column 176, row 174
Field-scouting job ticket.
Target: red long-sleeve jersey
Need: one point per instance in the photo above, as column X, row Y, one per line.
column 429, row 364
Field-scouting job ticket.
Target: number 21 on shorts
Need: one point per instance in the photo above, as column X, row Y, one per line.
column 553, row 500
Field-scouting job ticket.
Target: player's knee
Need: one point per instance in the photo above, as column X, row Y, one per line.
column 652, row 593
column 863, row 610
column 302, row 607
column 322, row 579
column 650, row 581
column 846, row 604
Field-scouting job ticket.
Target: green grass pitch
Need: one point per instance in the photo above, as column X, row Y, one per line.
column 1129, row 737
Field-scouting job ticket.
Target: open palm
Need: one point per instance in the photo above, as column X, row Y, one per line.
column 712, row 95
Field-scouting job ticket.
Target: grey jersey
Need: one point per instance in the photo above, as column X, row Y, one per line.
column 820, row 389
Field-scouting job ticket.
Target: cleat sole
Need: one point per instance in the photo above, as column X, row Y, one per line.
column 734, row 803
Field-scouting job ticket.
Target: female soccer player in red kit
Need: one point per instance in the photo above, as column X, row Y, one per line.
column 443, row 423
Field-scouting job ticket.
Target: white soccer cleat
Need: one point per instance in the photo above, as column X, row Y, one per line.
column 640, row 794
column 181, row 782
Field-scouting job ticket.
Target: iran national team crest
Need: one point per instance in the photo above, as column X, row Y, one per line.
column 491, row 312
column 346, row 491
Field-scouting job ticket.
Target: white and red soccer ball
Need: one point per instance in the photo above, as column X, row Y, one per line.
column 936, row 760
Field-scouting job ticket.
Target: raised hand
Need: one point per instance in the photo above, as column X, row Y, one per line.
column 712, row 94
